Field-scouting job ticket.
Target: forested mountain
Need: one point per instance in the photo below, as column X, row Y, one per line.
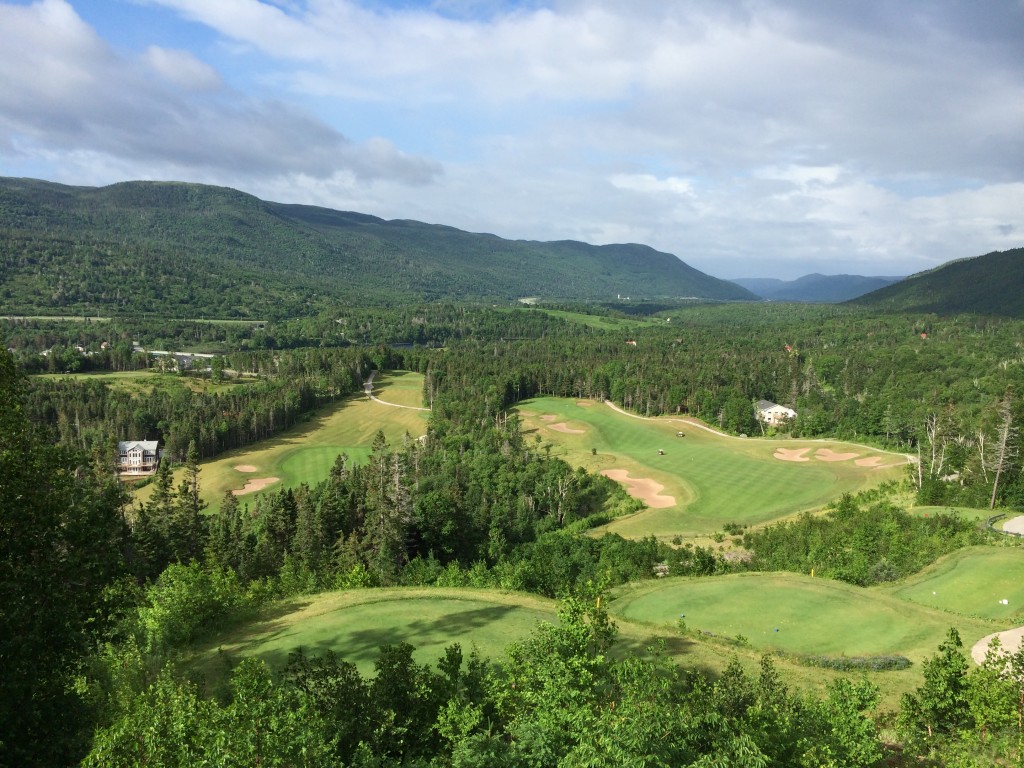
column 192, row 250
column 825, row 289
column 992, row 284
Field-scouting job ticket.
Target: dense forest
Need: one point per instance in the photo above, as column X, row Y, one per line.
column 474, row 503
column 173, row 249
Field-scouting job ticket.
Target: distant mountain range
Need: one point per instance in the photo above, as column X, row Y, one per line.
column 191, row 250
column 825, row 289
column 992, row 284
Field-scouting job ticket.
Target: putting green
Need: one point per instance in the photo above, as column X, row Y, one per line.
column 971, row 582
column 706, row 479
column 355, row 623
column 306, row 453
column 795, row 614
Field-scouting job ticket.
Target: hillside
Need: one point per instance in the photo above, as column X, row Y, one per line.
column 992, row 284
column 192, row 250
column 822, row 289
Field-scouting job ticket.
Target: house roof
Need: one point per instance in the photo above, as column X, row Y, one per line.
column 764, row 405
column 148, row 446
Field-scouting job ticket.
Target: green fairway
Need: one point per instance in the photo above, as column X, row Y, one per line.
column 707, row 479
column 306, row 453
column 971, row 582
column 796, row 614
column 356, row 623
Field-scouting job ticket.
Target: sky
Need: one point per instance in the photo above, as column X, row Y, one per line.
column 750, row 138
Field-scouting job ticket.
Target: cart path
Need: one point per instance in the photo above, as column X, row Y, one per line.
column 368, row 389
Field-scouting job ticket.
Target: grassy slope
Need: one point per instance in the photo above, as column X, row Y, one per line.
column 715, row 479
column 812, row 615
column 306, row 453
column 356, row 623
column 971, row 582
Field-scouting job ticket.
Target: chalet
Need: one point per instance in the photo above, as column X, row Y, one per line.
column 137, row 457
column 773, row 414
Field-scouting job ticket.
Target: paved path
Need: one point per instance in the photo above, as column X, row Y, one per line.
column 1014, row 525
column 1009, row 642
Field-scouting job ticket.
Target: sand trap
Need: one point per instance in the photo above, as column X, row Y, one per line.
column 584, row 403
column 245, row 468
column 563, row 427
column 791, row 454
column 870, row 461
column 1014, row 525
column 256, row 484
column 548, row 417
column 643, row 488
column 827, row 454
column 1010, row 642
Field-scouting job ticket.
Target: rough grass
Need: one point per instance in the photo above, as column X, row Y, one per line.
column 146, row 381
column 715, row 479
column 306, row 453
column 971, row 582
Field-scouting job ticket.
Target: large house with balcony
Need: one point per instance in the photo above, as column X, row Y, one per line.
column 773, row 414
column 138, row 457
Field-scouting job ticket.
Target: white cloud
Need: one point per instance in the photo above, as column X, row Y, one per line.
column 183, row 69
column 64, row 92
column 792, row 135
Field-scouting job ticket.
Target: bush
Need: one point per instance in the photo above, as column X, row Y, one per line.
column 186, row 601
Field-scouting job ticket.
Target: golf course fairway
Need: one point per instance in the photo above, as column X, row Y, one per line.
column 695, row 484
column 796, row 614
column 306, row 453
column 355, row 623
column 971, row 582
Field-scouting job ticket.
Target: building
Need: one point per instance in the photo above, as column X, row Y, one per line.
column 137, row 457
column 773, row 414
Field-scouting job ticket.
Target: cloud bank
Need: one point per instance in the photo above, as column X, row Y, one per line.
column 760, row 137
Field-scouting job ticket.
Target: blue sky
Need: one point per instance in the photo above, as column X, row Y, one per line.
column 750, row 138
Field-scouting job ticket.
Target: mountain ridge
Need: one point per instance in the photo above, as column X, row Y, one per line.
column 179, row 247
column 991, row 284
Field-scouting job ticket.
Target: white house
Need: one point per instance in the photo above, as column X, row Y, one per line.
column 773, row 414
column 137, row 457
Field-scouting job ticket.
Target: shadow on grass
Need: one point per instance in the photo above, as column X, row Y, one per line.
column 362, row 646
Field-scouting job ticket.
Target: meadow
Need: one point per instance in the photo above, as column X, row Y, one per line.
column 148, row 380
column 306, row 453
column 695, row 484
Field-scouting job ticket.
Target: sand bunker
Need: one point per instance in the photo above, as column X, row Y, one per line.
column 563, row 427
column 826, row 454
column 245, row 468
column 1009, row 642
column 548, row 417
column 256, row 484
column 643, row 488
column 791, row 454
column 584, row 403
column 870, row 461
